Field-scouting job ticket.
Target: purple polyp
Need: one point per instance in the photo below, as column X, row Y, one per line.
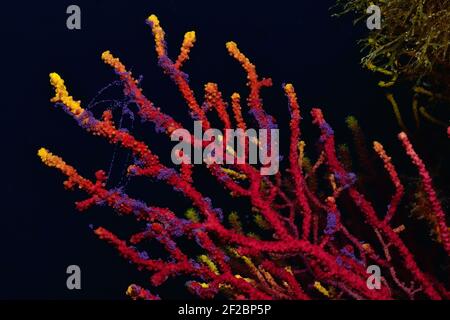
column 144, row 255
column 331, row 223
column 165, row 173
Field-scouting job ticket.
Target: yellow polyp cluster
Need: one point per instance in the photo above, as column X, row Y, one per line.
column 188, row 43
column 50, row 159
column 289, row 89
column 250, row 264
column 301, row 152
column 237, row 112
column 262, row 276
column 400, row 228
column 44, row 154
column 352, row 123
column 224, row 286
column 239, row 56
column 204, row 285
column 253, row 269
column 235, row 96
column 158, row 34
column 253, row 235
column 211, row 265
column 270, row 280
column 212, row 91
column 192, row 215
column 229, row 150
column 261, row 222
column 366, row 247
column 306, row 164
column 212, row 94
column 232, row 47
column 131, row 291
column 321, row 289
column 378, row 147
column 189, row 38
column 236, row 224
column 62, row 95
column 109, row 59
column 234, row 174
column 288, row 269
column 238, row 276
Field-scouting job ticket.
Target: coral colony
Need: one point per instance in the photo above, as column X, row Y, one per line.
column 312, row 233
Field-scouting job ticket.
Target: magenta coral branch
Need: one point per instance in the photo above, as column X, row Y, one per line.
column 294, row 160
column 428, row 186
column 399, row 189
column 365, row 206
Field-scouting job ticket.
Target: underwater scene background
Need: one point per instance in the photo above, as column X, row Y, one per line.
column 302, row 43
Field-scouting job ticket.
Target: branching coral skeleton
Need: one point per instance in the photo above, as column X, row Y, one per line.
column 309, row 252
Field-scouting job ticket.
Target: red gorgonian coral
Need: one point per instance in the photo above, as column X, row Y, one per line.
column 309, row 248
